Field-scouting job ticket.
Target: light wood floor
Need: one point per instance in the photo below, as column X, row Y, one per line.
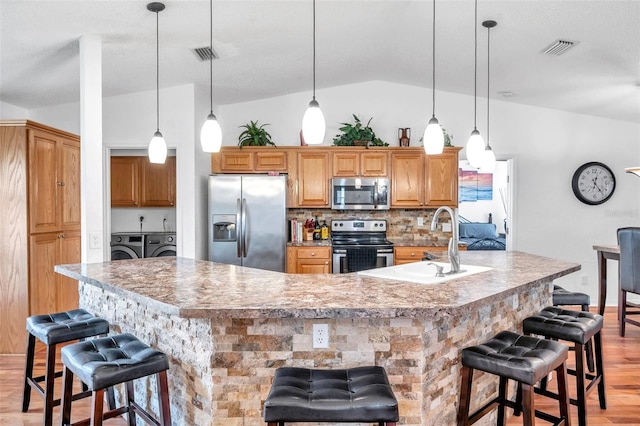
column 622, row 377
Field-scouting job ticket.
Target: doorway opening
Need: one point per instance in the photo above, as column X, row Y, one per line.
column 487, row 198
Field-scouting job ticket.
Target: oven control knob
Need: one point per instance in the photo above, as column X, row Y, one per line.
column 169, row 239
column 375, row 224
column 118, row 239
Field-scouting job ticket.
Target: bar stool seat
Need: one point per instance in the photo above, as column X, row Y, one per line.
column 53, row 329
column 361, row 394
column 580, row 328
column 524, row 359
column 562, row 297
column 108, row 361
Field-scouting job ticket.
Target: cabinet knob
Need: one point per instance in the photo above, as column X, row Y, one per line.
column 60, row 183
column 413, row 254
column 313, row 254
column 326, row 263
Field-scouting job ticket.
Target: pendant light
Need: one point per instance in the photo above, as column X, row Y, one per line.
column 157, row 146
column 489, row 157
column 634, row 170
column 211, row 133
column 475, row 144
column 313, row 125
column 433, row 135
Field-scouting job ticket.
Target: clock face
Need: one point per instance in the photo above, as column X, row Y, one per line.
column 593, row 183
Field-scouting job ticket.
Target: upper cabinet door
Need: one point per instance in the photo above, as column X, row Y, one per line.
column 54, row 182
column 158, row 183
column 125, row 181
column 374, row 164
column 346, row 164
column 442, row 183
column 69, row 191
column 407, row 180
column 313, row 179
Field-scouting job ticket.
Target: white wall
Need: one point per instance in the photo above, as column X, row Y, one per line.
column 12, row 112
column 547, row 144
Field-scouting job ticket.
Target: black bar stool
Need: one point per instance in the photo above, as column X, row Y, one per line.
column 108, row 361
column 361, row 394
column 579, row 328
column 52, row 330
column 562, row 297
column 524, row 359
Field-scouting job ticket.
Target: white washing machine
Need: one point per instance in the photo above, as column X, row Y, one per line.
column 127, row 246
column 160, row 244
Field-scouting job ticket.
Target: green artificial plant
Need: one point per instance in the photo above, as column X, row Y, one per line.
column 357, row 134
column 254, row 135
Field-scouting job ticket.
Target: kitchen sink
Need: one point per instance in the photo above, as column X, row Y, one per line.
column 423, row 272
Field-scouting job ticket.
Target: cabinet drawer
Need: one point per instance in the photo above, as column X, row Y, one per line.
column 314, row 252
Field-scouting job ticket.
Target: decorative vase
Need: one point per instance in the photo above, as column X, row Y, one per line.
column 404, row 136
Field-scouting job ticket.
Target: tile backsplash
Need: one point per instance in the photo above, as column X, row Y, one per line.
column 401, row 223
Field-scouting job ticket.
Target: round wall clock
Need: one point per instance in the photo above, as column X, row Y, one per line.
column 593, row 183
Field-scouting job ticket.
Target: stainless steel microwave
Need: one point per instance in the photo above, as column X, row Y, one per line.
column 356, row 193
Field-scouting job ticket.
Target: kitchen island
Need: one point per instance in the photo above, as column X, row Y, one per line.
column 227, row 328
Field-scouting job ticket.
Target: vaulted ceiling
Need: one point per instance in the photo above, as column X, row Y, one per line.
column 264, row 49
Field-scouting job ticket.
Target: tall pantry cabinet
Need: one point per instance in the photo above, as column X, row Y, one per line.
column 40, row 226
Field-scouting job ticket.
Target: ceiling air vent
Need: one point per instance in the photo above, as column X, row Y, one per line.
column 558, row 47
column 204, row 54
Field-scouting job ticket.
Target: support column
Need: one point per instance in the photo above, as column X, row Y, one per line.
column 94, row 195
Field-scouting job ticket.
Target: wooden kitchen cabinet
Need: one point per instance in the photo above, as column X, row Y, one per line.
column 40, row 201
column 407, row 179
column 410, row 254
column 158, row 183
column 351, row 163
column 136, row 182
column 52, row 292
column 313, row 179
column 125, row 178
column 419, row 180
column 309, row 260
column 249, row 160
column 54, row 182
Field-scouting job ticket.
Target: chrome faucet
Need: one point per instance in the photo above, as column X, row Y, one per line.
column 452, row 252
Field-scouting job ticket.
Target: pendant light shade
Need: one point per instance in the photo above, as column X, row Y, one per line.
column 433, row 139
column 313, row 125
column 475, row 144
column 157, row 146
column 211, row 133
column 634, row 170
column 488, row 162
column 157, row 149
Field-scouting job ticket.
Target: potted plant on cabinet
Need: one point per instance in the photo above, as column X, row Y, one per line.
column 357, row 134
column 254, row 135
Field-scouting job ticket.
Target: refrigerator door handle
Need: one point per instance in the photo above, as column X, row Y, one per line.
column 244, row 228
column 238, row 229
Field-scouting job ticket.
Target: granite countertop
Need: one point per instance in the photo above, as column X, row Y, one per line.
column 202, row 289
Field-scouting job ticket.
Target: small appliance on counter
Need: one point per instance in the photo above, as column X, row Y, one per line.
column 360, row 244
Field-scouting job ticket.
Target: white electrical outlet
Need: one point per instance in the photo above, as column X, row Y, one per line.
column 420, row 221
column 320, row 335
column 584, row 280
column 446, row 227
column 94, row 240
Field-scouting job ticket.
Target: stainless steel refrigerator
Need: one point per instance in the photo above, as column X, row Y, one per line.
column 248, row 220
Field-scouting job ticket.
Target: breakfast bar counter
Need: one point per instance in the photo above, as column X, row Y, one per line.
column 227, row 328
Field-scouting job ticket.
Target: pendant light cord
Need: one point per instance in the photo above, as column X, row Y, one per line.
column 475, row 72
column 157, row 71
column 488, row 91
column 433, row 52
column 211, row 53
column 314, row 50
